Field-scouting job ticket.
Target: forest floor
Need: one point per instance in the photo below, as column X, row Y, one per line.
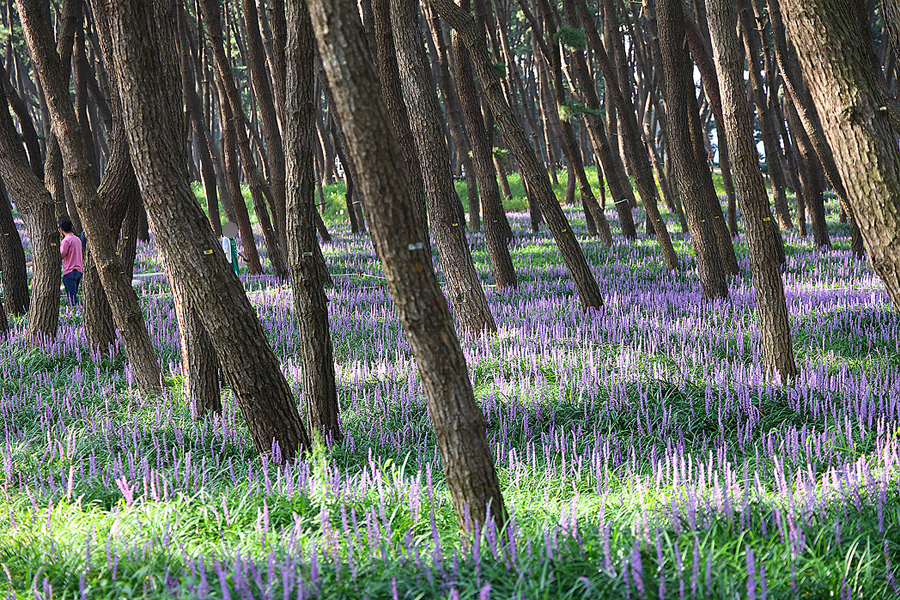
column 641, row 450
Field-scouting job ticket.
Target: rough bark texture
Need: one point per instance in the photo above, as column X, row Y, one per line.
column 463, row 284
column 458, row 423
column 12, row 258
column 775, row 331
column 531, row 167
column 835, row 55
column 599, row 140
column 37, row 209
column 809, row 118
column 681, row 109
column 230, row 95
column 122, row 298
column 644, row 181
column 495, row 224
column 750, row 37
column 310, row 303
column 268, row 117
column 149, row 84
column 811, row 184
column 392, row 92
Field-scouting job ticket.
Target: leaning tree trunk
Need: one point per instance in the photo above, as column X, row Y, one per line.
column 37, row 209
column 149, row 83
column 531, row 166
column 482, row 157
column 772, row 149
column 681, row 108
column 229, row 95
column 310, row 303
column 775, row 329
column 644, row 180
column 809, row 118
column 463, row 284
column 458, row 422
column 392, row 92
column 122, row 298
column 12, row 260
column 835, row 55
column 269, row 119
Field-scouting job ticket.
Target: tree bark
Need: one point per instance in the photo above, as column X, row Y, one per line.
column 230, row 95
column 122, row 298
column 533, row 170
column 268, row 117
column 463, row 284
column 834, row 51
column 809, row 118
column 750, row 36
column 12, row 259
column 310, row 303
column 482, row 155
column 681, row 109
column 149, row 82
column 458, row 422
column 643, row 175
column 392, row 92
column 775, row 331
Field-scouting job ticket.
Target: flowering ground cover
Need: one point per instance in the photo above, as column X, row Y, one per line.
column 641, row 450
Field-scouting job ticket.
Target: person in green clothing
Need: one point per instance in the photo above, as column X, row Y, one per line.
column 229, row 232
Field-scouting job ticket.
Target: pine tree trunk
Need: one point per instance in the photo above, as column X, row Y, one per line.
column 149, row 81
column 310, row 302
column 458, row 422
column 123, row 300
column 775, row 332
column 681, row 109
column 392, row 92
column 750, row 38
column 268, row 117
column 832, row 44
column 532, row 168
column 644, row 181
column 12, row 258
column 463, row 284
column 229, row 95
column 494, row 217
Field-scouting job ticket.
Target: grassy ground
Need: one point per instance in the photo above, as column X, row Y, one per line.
column 642, row 451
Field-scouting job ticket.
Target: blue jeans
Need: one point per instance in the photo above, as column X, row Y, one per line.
column 70, row 282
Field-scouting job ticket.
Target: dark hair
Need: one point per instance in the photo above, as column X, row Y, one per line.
column 66, row 225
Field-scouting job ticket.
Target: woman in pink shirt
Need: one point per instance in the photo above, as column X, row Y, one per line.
column 72, row 261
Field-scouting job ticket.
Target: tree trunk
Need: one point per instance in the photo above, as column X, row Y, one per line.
column 463, row 284
column 501, row 262
column 458, row 422
column 12, row 258
column 148, row 69
column 643, row 175
column 775, row 331
column 859, row 133
column 229, row 95
column 310, row 303
column 269, row 119
column 392, row 92
column 681, row 109
column 597, row 134
column 750, row 37
column 534, row 172
column 122, row 298
column 812, row 187
column 809, row 118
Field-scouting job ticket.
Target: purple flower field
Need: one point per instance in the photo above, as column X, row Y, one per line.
column 642, row 451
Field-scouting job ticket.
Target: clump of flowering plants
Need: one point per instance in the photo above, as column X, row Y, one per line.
column 643, row 452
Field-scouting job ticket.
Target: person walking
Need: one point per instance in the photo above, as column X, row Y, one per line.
column 71, row 251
